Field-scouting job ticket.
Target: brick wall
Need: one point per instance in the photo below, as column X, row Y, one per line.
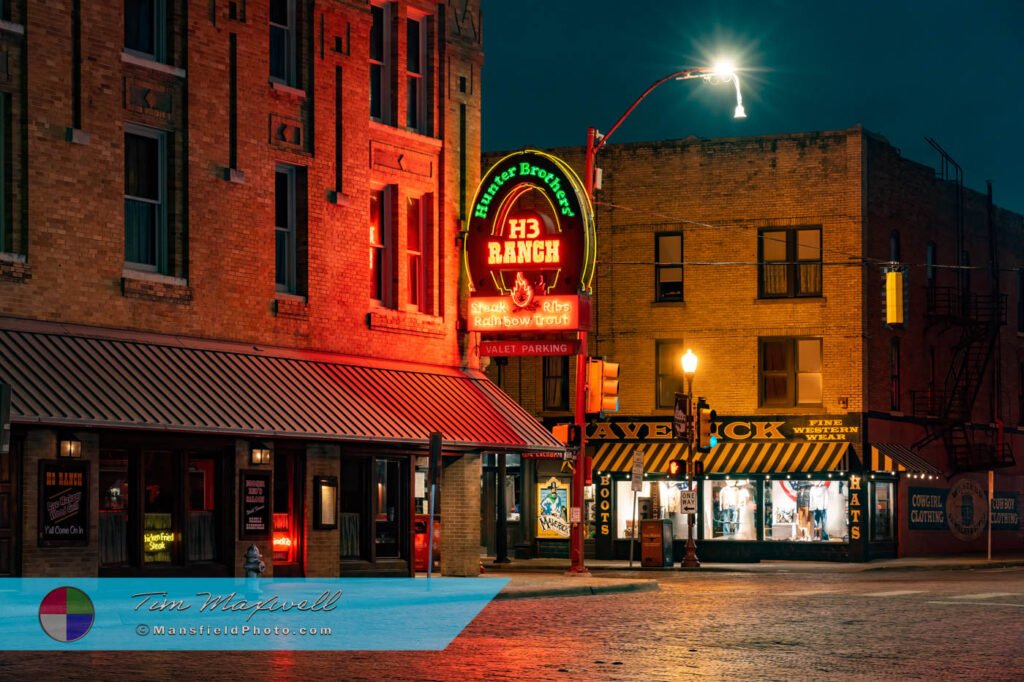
column 460, row 516
column 266, row 547
column 322, row 547
column 222, row 232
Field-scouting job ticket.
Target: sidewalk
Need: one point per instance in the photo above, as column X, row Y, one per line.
column 597, row 566
column 524, row 585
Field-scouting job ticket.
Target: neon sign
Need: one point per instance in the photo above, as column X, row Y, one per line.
column 530, row 247
column 157, row 541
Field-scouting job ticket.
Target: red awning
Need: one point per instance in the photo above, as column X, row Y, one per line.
column 81, row 376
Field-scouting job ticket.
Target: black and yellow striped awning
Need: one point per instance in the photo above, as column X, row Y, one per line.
column 728, row 458
column 617, row 456
column 894, row 457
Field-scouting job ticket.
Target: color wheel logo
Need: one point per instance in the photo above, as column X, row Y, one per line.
column 66, row 614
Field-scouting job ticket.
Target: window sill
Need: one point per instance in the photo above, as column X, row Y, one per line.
column 149, row 63
column 660, row 303
column 291, row 306
column 152, row 286
column 386, row 130
column 14, row 268
column 293, row 298
column 11, row 27
column 391, row 320
column 290, row 91
column 790, row 299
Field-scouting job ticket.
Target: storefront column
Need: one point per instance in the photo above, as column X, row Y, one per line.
column 323, row 547
column 70, row 562
column 460, row 516
column 243, row 450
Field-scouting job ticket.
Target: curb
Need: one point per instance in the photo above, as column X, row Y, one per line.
column 576, row 591
column 843, row 568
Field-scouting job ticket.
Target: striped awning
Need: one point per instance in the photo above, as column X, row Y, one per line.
column 64, row 375
column 617, row 456
column 770, row 458
column 894, row 457
column 727, row 458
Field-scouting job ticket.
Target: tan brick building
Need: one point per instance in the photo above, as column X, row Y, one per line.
column 229, row 285
column 840, row 436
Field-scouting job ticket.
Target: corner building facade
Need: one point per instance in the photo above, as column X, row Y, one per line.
column 229, row 287
column 843, row 434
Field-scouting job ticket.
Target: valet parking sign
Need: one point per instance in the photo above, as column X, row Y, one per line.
column 530, row 249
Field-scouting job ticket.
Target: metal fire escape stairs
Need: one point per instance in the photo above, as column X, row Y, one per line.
column 979, row 318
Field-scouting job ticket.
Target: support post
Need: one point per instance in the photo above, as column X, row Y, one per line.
column 690, row 559
column 501, row 541
column 576, row 525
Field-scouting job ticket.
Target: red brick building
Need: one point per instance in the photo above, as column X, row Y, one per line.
column 229, row 286
column 841, row 435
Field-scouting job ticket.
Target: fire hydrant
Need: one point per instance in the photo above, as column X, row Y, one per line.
column 254, row 564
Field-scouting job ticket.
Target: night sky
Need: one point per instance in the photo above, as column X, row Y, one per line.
column 945, row 69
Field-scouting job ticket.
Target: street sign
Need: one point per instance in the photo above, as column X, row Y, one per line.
column 688, row 502
column 637, row 475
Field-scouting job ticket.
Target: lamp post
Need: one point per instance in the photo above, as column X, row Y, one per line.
column 689, row 361
column 720, row 73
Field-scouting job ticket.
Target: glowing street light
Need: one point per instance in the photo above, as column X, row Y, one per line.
column 689, row 362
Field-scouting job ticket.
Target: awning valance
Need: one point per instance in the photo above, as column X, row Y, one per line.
column 728, row 458
column 894, row 457
column 81, row 376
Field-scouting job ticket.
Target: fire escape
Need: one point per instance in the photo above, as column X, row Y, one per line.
column 979, row 318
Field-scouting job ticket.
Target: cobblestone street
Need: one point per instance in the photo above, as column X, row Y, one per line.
column 775, row 626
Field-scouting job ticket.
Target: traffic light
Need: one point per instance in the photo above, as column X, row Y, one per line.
column 706, row 438
column 602, row 386
column 677, row 470
column 567, row 434
column 894, row 297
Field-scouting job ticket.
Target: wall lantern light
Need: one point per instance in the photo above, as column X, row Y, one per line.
column 260, row 454
column 69, row 446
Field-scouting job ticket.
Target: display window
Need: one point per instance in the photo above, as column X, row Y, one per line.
column 882, row 522
column 806, row 510
column 730, row 510
column 656, row 500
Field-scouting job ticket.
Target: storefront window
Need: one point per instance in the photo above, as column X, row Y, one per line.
column 353, row 505
column 730, row 510
column 115, row 499
column 657, row 500
column 806, row 511
column 202, row 482
column 882, row 526
column 389, row 514
column 286, row 517
column 159, row 481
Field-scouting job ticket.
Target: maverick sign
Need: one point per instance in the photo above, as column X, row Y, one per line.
column 530, row 248
column 826, row 428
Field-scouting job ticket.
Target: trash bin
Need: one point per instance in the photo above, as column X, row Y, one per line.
column 655, row 543
column 421, row 543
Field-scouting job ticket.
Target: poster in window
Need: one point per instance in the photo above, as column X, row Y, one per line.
column 254, row 495
column 63, row 503
column 553, row 509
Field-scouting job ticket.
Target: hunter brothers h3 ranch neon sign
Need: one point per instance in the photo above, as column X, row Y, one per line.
column 530, row 248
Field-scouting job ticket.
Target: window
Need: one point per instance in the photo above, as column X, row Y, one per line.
column 882, row 511
column 145, row 198
column 1020, row 288
column 6, row 222
column 381, row 222
column 790, row 372
column 284, row 49
column 668, row 278
column 415, row 65
column 894, row 246
column 415, row 245
column 556, row 382
column 655, row 500
column 799, row 511
column 1020, row 393
column 894, row 374
column 290, row 229
column 380, row 63
column 670, row 372
column 790, row 263
column 391, row 508
column 145, row 28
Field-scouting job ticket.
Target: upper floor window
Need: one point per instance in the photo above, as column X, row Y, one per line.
column 894, row 246
column 415, row 66
column 556, row 382
column 290, row 228
column 6, row 222
column 668, row 269
column 380, row 63
column 284, row 48
column 145, row 198
column 929, row 258
column 791, row 372
column 145, row 28
column 669, row 369
column 1020, row 299
column 790, row 262
column 381, row 246
column 415, row 247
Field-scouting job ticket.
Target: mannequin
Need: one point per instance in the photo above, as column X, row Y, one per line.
column 803, row 511
column 746, row 508
column 837, row 512
column 728, row 499
column 818, row 497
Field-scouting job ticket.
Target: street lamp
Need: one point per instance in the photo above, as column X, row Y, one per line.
column 689, row 361
column 721, row 72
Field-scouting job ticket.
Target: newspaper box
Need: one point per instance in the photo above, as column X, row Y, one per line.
column 655, row 543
